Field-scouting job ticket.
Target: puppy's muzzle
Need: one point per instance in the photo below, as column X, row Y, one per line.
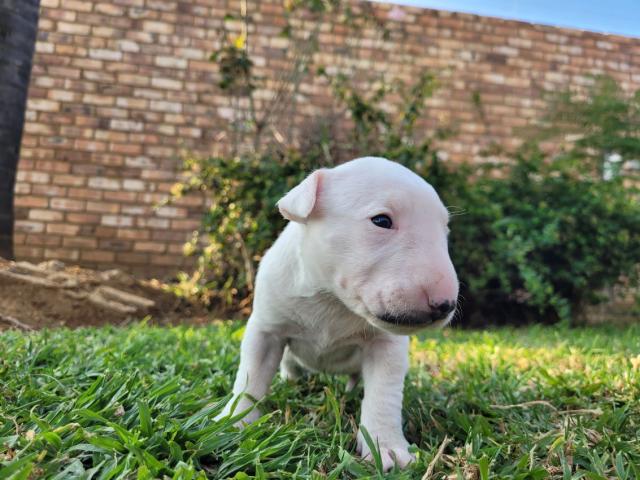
column 419, row 318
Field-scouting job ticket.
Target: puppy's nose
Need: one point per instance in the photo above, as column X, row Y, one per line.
column 441, row 310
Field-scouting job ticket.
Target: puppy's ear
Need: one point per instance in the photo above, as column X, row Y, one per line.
column 298, row 204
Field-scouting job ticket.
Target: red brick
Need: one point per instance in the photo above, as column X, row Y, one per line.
column 120, row 196
column 106, row 232
column 117, row 221
column 134, row 234
column 103, row 207
column 132, row 103
column 43, row 240
column 127, row 125
column 158, row 27
column 78, row 5
column 28, row 252
column 61, row 254
column 19, row 238
column 73, row 28
column 83, row 218
column 85, row 243
column 63, row 228
column 185, row 225
column 29, row 227
column 102, row 100
column 166, row 260
column 90, row 146
column 126, row 148
column 69, row 180
column 45, row 215
column 115, row 245
column 33, row 177
column 109, row 9
column 85, row 193
column 31, row 202
column 67, row 205
column 171, row 62
column 132, row 258
column 98, row 256
column 134, row 185
column 105, row 54
column 34, row 128
column 167, row 83
column 151, row 247
column 154, row 223
column 103, row 183
column 176, row 248
column 42, row 105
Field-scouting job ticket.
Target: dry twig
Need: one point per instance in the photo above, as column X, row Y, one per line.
column 582, row 411
column 526, row 405
column 432, row 465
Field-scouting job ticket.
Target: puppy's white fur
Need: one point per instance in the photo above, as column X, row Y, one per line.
column 337, row 293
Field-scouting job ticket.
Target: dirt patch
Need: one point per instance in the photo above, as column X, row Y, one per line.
column 52, row 294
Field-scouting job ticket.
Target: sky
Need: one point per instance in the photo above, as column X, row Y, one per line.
column 608, row 16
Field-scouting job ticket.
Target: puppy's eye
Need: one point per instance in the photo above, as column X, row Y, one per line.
column 382, row 221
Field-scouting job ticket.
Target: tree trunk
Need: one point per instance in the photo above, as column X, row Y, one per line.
column 18, row 30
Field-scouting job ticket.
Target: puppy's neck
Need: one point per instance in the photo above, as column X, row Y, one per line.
column 307, row 279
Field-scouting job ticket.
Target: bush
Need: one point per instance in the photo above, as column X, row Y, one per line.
column 530, row 241
column 241, row 223
column 541, row 236
column 537, row 243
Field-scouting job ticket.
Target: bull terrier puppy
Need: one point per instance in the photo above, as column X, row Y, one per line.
column 362, row 264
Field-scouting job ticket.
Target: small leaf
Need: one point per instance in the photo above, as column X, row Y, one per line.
column 145, row 418
column 483, row 466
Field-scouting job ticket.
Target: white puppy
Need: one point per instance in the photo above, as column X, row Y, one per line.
column 362, row 263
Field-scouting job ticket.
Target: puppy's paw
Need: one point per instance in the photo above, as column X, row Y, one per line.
column 242, row 405
column 352, row 382
column 289, row 373
column 392, row 452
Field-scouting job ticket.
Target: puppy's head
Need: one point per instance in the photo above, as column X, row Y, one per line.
column 375, row 235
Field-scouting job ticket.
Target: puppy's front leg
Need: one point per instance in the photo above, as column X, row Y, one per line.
column 384, row 367
column 260, row 355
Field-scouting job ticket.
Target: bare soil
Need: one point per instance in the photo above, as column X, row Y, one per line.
column 52, row 294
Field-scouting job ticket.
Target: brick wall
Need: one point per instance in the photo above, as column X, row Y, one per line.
column 121, row 87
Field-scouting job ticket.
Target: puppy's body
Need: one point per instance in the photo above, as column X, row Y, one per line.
column 337, row 293
column 321, row 333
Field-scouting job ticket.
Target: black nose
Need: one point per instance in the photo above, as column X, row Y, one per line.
column 441, row 310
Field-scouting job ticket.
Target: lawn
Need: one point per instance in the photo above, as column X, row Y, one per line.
column 139, row 403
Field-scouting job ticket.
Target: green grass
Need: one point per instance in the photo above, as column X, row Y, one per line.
column 139, row 403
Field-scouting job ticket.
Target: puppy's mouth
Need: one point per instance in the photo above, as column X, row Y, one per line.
column 414, row 320
column 410, row 319
column 401, row 323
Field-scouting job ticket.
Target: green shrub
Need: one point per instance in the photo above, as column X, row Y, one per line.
column 537, row 243
column 241, row 222
column 530, row 242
